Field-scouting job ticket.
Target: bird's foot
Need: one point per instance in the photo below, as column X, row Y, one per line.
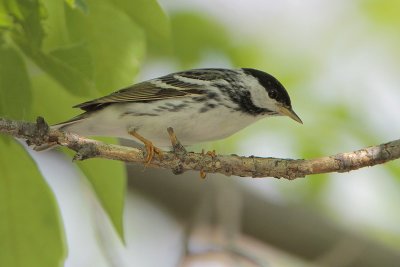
column 210, row 153
column 178, row 148
column 151, row 150
column 203, row 174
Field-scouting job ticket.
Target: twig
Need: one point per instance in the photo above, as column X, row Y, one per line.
column 40, row 134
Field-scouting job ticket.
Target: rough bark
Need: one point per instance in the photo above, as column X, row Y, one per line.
column 39, row 134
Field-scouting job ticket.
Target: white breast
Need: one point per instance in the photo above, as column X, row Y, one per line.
column 190, row 125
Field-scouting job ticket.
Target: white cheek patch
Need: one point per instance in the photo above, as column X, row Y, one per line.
column 259, row 95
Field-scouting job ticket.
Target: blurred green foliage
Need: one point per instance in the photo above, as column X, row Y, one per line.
column 30, row 227
column 16, row 100
column 385, row 12
column 190, row 48
column 195, row 35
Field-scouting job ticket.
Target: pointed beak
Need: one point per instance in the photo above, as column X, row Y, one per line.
column 290, row 113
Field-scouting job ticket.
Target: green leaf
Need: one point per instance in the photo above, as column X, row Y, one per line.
column 76, row 56
column 68, row 76
column 70, row 3
column 55, row 25
column 30, row 229
column 193, row 35
column 15, row 86
column 12, row 9
column 6, row 20
column 29, row 37
column 107, row 177
column 148, row 14
column 28, row 16
column 116, row 43
column 51, row 101
column 79, row 4
column 383, row 11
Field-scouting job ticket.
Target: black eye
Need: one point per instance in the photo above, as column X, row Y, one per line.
column 273, row 94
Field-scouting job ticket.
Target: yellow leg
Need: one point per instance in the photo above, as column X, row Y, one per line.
column 212, row 154
column 150, row 148
column 172, row 136
column 203, row 174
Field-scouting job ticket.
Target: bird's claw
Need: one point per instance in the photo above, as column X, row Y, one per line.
column 148, row 145
column 150, row 151
column 178, row 149
column 203, row 174
column 210, row 153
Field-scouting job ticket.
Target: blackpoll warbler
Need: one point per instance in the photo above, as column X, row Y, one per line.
column 200, row 105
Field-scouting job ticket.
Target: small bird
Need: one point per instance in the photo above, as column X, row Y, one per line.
column 200, row 105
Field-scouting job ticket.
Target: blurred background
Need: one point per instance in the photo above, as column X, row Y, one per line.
column 340, row 62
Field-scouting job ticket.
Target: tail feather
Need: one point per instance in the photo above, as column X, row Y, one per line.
column 80, row 117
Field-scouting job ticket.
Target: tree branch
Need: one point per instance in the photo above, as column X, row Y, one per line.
column 40, row 134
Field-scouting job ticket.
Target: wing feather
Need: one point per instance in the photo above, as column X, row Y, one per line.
column 142, row 92
column 175, row 85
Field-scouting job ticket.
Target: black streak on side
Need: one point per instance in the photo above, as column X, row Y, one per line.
column 207, row 107
column 241, row 96
column 175, row 108
column 136, row 114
